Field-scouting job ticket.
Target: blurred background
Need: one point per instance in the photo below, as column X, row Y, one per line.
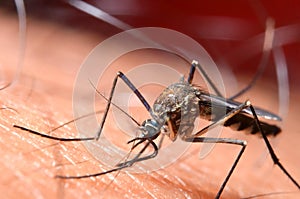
column 60, row 35
column 231, row 31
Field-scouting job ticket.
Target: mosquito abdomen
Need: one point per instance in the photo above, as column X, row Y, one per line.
column 243, row 122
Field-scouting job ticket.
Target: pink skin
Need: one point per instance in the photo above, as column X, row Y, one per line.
column 42, row 98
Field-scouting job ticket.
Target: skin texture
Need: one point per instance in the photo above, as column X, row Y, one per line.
column 41, row 99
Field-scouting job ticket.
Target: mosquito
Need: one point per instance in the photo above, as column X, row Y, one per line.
column 174, row 113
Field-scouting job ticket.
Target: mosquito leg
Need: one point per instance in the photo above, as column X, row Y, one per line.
column 54, row 129
column 258, row 74
column 143, row 139
column 52, row 137
column 97, row 136
column 225, row 141
column 121, row 165
column 192, row 72
column 137, row 157
column 272, row 152
column 261, row 67
column 222, row 120
column 263, row 61
column 238, row 110
column 137, row 123
column 132, row 87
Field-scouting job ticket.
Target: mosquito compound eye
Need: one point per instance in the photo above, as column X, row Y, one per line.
column 150, row 128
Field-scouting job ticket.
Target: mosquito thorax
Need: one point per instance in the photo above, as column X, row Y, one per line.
column 177, row 107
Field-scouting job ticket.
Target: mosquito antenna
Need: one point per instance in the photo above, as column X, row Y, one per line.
column 74, row 120
column 97, row 112
column 98, row 92
column 22, row 40
column 125, row 158
column 267, row 47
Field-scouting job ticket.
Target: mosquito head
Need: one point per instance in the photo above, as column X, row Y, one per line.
column 150, row 128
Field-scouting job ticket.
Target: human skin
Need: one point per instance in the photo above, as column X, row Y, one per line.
column 41, row 99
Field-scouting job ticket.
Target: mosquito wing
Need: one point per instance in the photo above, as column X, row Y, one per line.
column 230, row 104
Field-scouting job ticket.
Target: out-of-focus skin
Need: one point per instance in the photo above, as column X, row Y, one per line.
column 42, row 99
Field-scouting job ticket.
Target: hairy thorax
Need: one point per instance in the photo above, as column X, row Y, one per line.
column 177, row 107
